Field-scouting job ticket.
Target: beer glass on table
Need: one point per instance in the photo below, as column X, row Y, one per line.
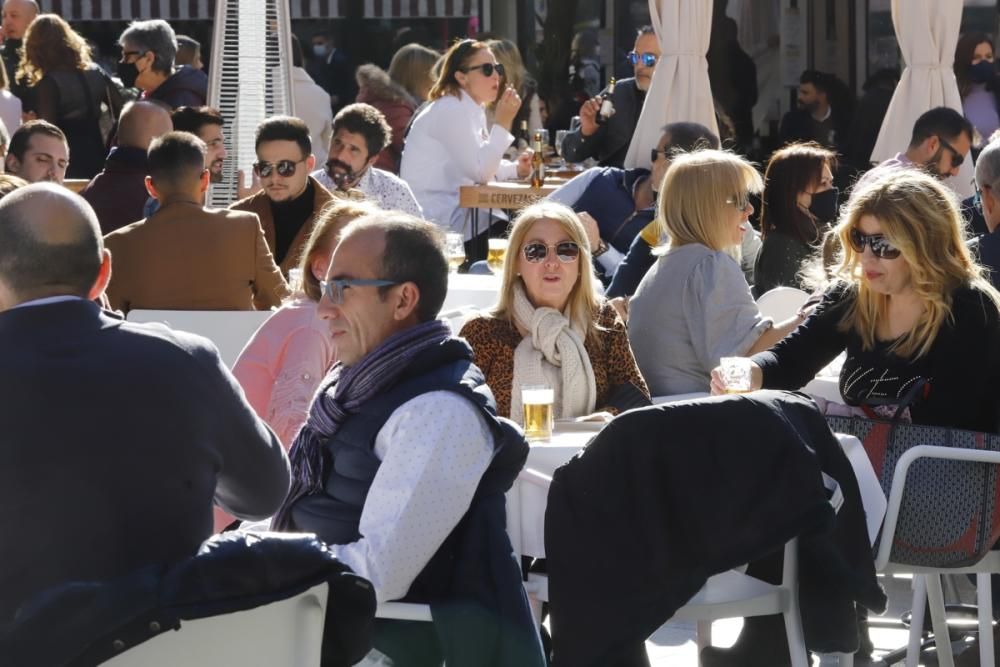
column 495, row 255
column 736, row 374
column 454, row 250
column 537, row 401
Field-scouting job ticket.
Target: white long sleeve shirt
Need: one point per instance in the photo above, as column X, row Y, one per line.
column 386, row 189
column 449, row 146
column 434, row 450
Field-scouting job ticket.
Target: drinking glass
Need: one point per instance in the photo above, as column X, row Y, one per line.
column 537, row 401
column 545, row 139
column 295, row 279
column 574, row 123
column 454, row 250
column 736, row 374
column 560, row 138
column 495, row 255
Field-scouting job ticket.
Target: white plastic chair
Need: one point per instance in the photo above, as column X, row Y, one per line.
column 927, row 580
column 230, row 330
column 286, row 632
column 781, row 303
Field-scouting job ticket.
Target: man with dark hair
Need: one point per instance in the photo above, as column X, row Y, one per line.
column 38, row 151
column 132, row 490
column 290, row 198
column 360, row 132
column 188, row 52
column 331, row 68
column 815, row 119
column 608, row 142
column 149, row 49
column 206, row 123
column 187, row 257
column 118, row 192
column 939, row 144
column 407, row 424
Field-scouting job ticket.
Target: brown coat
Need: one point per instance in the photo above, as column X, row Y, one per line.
column 185, row 257
column 261, row 205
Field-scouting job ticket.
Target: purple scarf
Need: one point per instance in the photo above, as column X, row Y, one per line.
column 346, row 389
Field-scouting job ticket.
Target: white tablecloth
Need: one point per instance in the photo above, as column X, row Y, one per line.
column 464, row 289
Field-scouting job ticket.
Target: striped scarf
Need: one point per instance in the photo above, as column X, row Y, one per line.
column 342, row 394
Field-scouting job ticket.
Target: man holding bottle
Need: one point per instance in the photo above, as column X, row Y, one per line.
column 608, row 120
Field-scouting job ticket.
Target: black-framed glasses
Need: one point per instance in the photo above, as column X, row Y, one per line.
column 334, row 289
column 137, row 54
column 487, row 69
column 655, row 152
column 956, row 158
column 740, row 201
column 881, row 248
column 283, row 167
column 566, row 251
column 648, row 59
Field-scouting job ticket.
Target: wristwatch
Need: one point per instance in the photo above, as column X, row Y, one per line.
column 602, row 248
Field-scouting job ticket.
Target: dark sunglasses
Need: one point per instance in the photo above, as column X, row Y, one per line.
column 880, row 247
column 283, row 167
column 654, row 152
column 648, row 59
column 566, row 251
column 487, row 69
column 956, row 158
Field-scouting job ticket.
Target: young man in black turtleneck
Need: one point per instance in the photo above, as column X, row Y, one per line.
column 17, row 16
column 290, row 199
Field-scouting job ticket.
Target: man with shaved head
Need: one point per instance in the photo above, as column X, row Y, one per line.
column 118, row 192
column 84, row 498
column 17, row 16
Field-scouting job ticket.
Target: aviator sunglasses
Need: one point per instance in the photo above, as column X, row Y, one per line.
column 648, row 59
column 880, row 247
column 566, row 251
column 283, row 167
column 487, row 69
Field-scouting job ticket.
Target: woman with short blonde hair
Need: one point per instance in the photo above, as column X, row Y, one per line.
column 551, row 328
column 694, row 306
column 918, row 321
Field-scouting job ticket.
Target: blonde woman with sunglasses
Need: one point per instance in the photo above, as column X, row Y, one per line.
column 694, row 306
column 550, row 327
column 919, row 322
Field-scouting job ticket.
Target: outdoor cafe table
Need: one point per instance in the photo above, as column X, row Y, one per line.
column 468, row 289
column 509, row 196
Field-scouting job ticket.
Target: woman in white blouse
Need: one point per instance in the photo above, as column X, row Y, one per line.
column 449, row 144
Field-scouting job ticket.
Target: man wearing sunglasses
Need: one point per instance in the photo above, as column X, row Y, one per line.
column 939, row 144
column 608, row 143
column 289, row 199
column 406, row 428
column 360, row 132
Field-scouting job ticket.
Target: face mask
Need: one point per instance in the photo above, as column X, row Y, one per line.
column 824, row 205
column 981, row 72
column 128, row 73
column 320, row 50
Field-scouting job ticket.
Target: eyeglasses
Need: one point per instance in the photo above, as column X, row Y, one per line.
column 334, row 289
column 566, row 251
column 956, row 158
column 877, row 242
column 741, row 202
column 126, row 54
column 648, row 59
column 487, row 69
column 283, row 167
column 654, row 152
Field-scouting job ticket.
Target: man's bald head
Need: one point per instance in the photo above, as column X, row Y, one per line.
column 50, row 243
column 17, row 16
column 141, row 122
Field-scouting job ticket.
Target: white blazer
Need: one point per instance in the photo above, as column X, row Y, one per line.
column 449, row 146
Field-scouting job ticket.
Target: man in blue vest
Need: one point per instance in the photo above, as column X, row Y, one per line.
column 402, row 464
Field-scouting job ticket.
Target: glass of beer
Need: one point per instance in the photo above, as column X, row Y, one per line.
column 537, row 401
column 736, row 374
column 454, row 250
column 495, row 255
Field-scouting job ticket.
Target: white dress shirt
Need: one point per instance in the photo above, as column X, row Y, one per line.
column 448, row 146
column 384, row 188
column 312, row 105
column 434, row 450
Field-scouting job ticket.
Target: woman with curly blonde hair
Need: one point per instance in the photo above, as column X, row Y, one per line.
column 919, row 322
column 68, row 90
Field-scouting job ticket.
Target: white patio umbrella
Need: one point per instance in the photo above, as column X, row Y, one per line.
column 680, row 90
column 927, row 31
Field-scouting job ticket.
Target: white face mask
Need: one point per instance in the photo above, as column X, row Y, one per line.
column 320, row 50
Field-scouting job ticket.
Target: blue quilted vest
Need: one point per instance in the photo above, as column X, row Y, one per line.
column 608, row 198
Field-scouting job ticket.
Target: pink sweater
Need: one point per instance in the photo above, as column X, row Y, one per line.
column 282, row 365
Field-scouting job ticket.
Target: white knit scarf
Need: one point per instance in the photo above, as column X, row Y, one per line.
column 551, row 354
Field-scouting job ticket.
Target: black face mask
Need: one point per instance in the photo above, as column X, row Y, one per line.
column 128, row 73
column 981, row 72
column 824, row 205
